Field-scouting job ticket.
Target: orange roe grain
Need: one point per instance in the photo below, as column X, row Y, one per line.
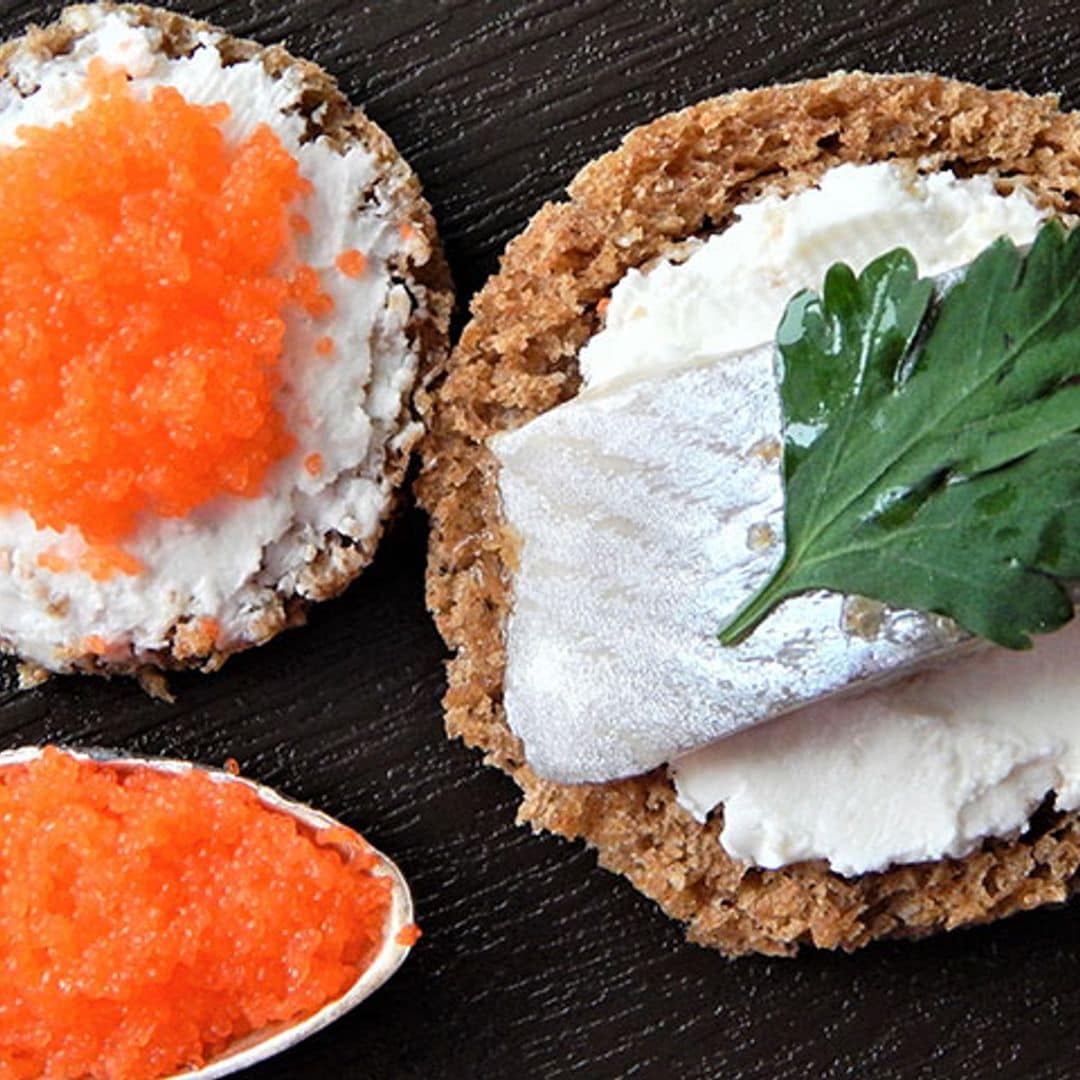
column 306, row 289
column 148, row 920
column 409, row 935
column 102, row 561
column 324, row 346
column 313, row 463
column 351, row 263
column 141, row 311
column 51, row 559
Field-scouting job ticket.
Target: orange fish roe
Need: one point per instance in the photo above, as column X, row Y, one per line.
column 324, row 346
column 408, row 935
column 148, row 920
column 141, row 311
column 313, row 464
column 351, row 263
column 51, row 559
column 102, row 561
column 306, row 289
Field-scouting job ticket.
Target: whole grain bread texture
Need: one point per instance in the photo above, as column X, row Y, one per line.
column 419, row 265
column 676, row 178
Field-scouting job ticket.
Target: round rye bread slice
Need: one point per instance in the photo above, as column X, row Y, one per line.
column 677, row 178
column 281, row 559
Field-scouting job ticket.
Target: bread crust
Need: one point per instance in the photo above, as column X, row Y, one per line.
column 422, row 268
column 678, row 177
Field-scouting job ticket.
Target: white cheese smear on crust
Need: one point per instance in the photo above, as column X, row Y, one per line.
column 919, row 770
column 231, row 559
column 922, row 769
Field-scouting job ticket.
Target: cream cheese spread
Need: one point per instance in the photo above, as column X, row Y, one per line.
column 922, row 769
column 729, row 294
column 229, row 559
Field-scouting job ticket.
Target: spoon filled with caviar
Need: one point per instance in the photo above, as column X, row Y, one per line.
column 161, row 919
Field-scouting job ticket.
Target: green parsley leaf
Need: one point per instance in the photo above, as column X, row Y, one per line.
column 932, row 457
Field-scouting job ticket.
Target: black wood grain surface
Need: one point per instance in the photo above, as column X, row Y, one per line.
column 534, row 962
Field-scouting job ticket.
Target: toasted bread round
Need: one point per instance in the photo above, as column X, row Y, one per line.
column 313, row 557
column 679, row 177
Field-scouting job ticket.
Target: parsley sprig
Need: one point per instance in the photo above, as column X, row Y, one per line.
column 932, row 449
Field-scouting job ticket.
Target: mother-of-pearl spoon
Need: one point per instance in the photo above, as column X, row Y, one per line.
column 266, row 1042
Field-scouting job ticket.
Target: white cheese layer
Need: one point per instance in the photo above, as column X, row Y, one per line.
column 919, row 770
column 729, row 294
column 230, row 559
column 925, row 768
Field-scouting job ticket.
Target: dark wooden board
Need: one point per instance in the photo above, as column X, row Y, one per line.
column 534, row 962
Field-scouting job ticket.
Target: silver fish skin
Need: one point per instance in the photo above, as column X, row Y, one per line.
column 649, row 510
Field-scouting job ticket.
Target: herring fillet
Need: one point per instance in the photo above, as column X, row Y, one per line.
column 649, row 511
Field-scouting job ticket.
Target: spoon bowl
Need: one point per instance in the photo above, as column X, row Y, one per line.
column 266, row 1042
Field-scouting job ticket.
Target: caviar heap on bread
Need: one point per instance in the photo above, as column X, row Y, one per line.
column 218, row 285
column 756, row 506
